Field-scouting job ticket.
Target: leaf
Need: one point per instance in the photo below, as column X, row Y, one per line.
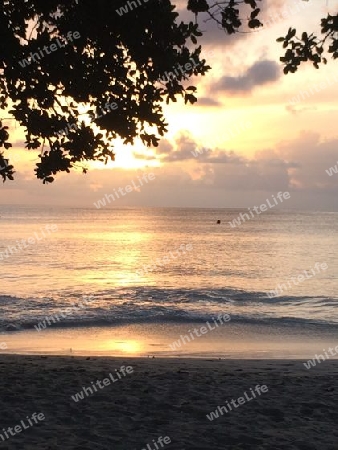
column 255, row 13
column 254, row 23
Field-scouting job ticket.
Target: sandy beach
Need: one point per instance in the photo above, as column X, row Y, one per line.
column 160, row 403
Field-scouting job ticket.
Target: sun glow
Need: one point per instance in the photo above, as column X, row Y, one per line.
column 125, row 158
column 127, row 347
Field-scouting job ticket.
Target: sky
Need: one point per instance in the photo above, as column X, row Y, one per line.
column 253, row 133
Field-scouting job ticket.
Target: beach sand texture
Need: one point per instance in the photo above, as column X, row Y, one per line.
column 163, row 397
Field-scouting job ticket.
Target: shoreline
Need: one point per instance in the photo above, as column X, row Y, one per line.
column 230, row 341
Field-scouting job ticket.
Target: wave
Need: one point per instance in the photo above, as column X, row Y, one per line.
column 137, row 305
column 165, row 319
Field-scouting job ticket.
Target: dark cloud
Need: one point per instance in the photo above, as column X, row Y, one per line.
column 222, row 157
column 260, row 73
column 144, row 157
column 183, row 149
column 214, row 37
column 208, row 101
column 298, row 110
column 164, row 147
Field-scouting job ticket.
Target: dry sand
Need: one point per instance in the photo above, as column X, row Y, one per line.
column 165, row 397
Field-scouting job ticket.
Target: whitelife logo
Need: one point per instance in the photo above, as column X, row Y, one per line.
column 24, row 243
column 332, row 170
column 184, row 339
column 64, row 313
column 108, row 198
column 300, row 278
column 241, row 401
column 47, row 50
column 109, row 107
column 170, row 76
column 263, row 207
column 315, row 88
column 164, row 260
column 129, row 6
column 312, row 362
column 19, row 428
column 120, row 373
column 161, row 440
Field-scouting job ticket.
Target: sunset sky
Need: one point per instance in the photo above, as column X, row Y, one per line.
column 256, row 140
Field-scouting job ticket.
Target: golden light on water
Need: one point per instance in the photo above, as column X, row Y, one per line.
column 128, row 347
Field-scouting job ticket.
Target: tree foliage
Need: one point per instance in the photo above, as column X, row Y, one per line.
column 119, row 58
column 231, row 16
column 310, row 47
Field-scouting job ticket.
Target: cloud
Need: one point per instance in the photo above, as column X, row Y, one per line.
column 259, row 74
column 312, row 158
column 298, row 110
column 298, row 165
column 182, row 149
column 208, row 101
column 214, row 178
column 143, row 156
column 185, row 147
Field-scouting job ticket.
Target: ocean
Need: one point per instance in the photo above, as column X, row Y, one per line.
column 97, row 271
